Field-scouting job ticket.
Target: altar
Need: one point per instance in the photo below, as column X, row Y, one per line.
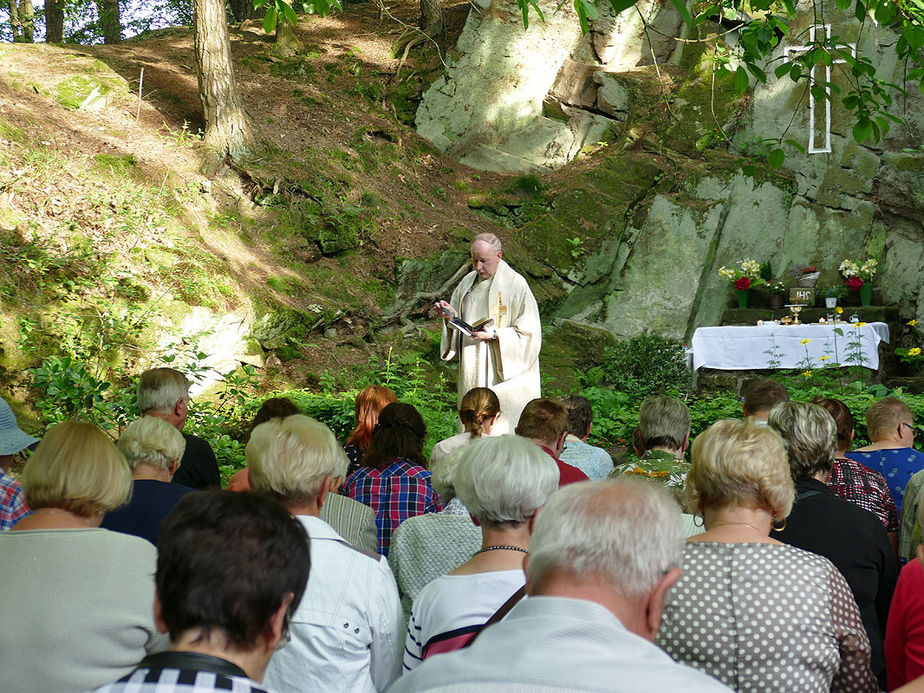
column 775, row 346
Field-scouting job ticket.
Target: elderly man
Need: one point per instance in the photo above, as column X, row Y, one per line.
column 664, row 427
column 231, row 567
column 505, row 355
column 601, row 558
column 348, row 633
column 595, row 462
column 164, row 393
column 545, row 422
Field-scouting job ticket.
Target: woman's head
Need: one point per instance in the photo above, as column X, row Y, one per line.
column 810, row 435
column 479, row 406
column 843, row 419
column 369, row 403
column 739, row 464
column 504, row 480
column 77, row 468
column 274, row 408
column 400, row 432
column 153, row 441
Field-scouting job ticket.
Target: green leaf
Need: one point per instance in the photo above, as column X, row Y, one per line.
column 620, row 5
column 914, row 35
column 842, row 4
column 862, row 130
column 758, row 73
column 682, row 10
column 796, row 145
column 742, row 82
column 289, row 13
column 269, row 20
column 884, row 13
column 860, row 10
column 749, row 171
column 776, row 158
column 782, row 70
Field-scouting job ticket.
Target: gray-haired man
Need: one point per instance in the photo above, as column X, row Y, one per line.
column 602, row 556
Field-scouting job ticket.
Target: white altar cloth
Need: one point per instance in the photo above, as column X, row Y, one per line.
column 758, row 347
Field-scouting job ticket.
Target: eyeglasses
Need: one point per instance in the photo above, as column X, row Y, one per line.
column 910, row 427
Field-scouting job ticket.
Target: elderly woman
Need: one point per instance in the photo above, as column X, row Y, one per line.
column 754, row 613
column 77, row 600
column 853, row 539
column 478, row 412
column 394, row 481
column 153, row 449
column 503, row 482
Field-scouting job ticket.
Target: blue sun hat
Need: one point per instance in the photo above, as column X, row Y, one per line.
column 12, row 438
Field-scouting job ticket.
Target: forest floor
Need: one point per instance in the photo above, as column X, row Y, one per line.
column 338, row 117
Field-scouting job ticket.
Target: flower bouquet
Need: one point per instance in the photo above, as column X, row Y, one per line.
column 777, row 291
column 859, row 277
column 744, row 277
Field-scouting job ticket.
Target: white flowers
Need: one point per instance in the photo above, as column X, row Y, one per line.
column 866, row 271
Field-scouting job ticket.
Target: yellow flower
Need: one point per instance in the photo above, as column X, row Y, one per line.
column 823, row 358
column 912, row 323
column 807, row 373
column 805, row 341
column 914, row 351
column 859, row 324
column 839, row 310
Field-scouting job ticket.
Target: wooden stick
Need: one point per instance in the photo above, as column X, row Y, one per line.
column 140, row 87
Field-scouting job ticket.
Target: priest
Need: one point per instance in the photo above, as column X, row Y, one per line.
column 504, row 355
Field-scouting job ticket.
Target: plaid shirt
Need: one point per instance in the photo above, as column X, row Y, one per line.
column 397, row 492
column 12, row 503
column 862, row 486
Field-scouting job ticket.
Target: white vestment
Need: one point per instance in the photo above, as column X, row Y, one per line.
column 509, row 365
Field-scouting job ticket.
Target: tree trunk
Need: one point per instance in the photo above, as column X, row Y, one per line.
column 241, row 10
column 109, row 20
column 14, row 22
column 54, row 21
column 227, row 127
column 27, row 17
column 287, row 42
column 431, row 18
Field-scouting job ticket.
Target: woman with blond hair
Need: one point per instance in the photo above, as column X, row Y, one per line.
column 368, row 405
column 77, row 600
column 748, row 610
column 478, row 413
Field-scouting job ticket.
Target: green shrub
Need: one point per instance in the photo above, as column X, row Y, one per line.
column 644, row 365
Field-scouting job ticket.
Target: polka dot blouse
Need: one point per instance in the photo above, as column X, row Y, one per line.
column 766, row 618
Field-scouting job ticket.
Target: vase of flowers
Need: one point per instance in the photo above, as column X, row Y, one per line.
column 807, row 276
column 859, row 277
column 743, row 277
column 831, row 294
column 777, row 291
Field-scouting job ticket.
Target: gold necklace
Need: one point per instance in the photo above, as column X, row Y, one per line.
column 743, row 524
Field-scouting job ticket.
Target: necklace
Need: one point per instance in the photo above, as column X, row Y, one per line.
column 506, row 547
column 743, row 524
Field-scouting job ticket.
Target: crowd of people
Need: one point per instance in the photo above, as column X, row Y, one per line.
column 763, row 555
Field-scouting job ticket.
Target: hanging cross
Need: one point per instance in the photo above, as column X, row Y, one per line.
column 812, row 149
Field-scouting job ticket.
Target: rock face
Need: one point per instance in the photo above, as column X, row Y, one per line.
column 653, row 249
column 528, row 100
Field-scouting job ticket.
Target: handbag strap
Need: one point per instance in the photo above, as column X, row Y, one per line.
column 501, row 612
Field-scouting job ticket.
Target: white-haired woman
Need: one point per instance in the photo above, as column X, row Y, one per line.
column 153, row 449
column 77, row 601
column 750, row 611
column 503, row 482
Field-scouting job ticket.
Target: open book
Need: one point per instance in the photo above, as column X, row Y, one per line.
column 466, row 329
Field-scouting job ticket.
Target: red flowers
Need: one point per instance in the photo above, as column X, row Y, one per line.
column 743, row 284
column 854, row 283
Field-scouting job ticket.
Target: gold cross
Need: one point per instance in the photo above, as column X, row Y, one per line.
column 498, row 312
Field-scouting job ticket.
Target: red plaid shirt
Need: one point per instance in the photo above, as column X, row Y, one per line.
column 12, row 503
column 865, row 487
column 397, row 492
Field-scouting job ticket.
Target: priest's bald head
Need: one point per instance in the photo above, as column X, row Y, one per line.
column 486, row 254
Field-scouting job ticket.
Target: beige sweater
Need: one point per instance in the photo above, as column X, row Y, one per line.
column 76, row 607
